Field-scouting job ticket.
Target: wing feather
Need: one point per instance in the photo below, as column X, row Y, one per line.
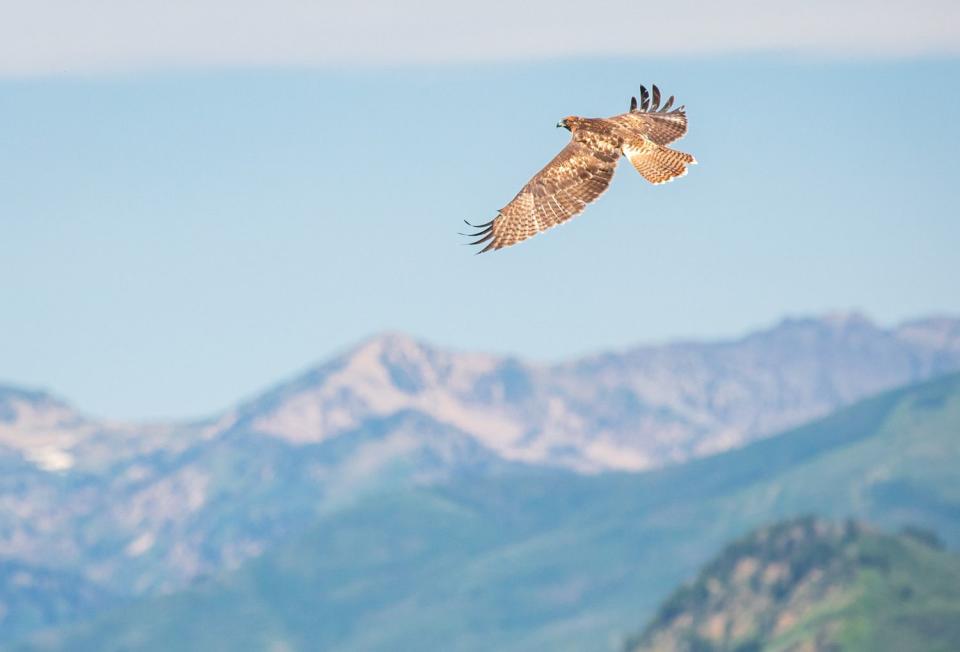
column 574, row 178
column 658, row 124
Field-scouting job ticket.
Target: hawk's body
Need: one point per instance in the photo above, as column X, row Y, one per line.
column 583, row 169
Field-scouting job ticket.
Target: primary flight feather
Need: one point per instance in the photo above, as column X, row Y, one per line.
column 583, row 169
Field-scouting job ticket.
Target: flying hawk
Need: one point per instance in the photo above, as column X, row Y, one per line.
column 583, row 169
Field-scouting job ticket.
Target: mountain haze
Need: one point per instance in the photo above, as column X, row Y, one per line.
column 145, row 508
column 136, row 509
column 524, row 558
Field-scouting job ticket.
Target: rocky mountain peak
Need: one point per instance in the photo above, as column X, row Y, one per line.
column 40, row 427
column 643, row 408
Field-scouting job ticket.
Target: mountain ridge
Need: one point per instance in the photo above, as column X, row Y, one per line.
column 550, row 559
column 146, row 509
column 636, row 409
column 658, row 404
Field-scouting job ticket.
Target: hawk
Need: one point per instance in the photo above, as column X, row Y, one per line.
column 583, row 169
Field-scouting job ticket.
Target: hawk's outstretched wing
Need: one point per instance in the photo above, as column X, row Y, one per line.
column 574, row 178
column 650, row 120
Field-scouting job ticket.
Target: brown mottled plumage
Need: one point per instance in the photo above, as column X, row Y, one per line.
column 583, row 169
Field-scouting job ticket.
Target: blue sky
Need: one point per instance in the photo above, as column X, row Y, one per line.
column 174, row 241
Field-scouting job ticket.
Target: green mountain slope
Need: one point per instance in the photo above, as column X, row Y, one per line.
column 814, row 585
column 552, row 560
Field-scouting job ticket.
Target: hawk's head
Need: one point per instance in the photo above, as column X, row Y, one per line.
column 568, row 123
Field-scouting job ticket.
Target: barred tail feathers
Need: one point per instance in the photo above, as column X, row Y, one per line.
column 657, row 163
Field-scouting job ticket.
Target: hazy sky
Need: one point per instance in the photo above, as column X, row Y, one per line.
column 80, row 36
column 171, row 241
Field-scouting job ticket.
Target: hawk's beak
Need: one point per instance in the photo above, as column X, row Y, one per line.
column 560, row 124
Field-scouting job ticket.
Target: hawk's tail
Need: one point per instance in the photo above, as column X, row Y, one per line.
column 659, row 164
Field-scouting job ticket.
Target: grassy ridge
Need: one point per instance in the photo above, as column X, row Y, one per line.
column 809, row 584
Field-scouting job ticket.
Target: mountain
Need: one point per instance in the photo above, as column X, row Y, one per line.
column 35, row 597
column 156, row 521
column 635, row 410
column 539, row 558
column 809, row 584
column 146, row 509
column 55, row 437
column 632, row 410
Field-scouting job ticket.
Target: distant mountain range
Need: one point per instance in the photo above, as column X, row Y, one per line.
column 633, row 410
column 126, row 509
column 494, row 555
column 816, row 586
